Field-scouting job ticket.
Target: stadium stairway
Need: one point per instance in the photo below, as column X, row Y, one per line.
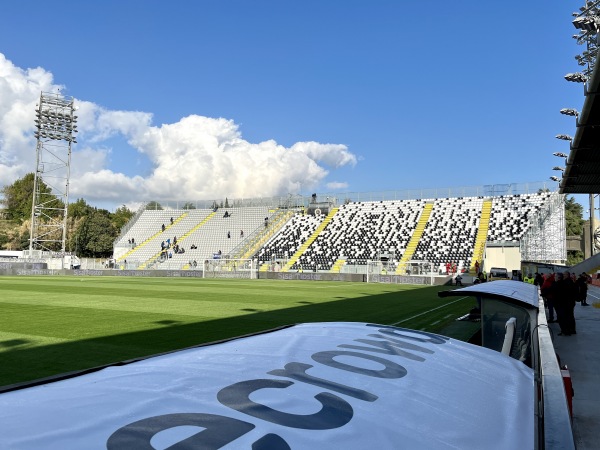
column 310, row 240
column 254, row 243
column 415, row 238
column 337, row 265
column 482, row 232
column 181, row 239
column 142, row 244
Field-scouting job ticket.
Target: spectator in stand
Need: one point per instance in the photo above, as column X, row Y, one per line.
column 241, row 233
column 163, row 227
column 228, row 235
column 171, row 221
column 476, row 266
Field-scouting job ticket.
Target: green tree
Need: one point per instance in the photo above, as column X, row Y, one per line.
column 574, row 224
column 24, row 240
column 189, row 205
column 573, row 217
column 4, row 239
column 18, row 198
column 95, row 235
column 121, row 216
column 79, row 209
column 154, row 206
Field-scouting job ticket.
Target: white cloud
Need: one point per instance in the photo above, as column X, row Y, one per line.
column 195, row 158
column 336, row 185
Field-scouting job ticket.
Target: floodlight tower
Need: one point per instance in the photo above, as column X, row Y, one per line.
column 587, row 22
column 55, row 122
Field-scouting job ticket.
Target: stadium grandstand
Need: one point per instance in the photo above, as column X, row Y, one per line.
column 325, row 235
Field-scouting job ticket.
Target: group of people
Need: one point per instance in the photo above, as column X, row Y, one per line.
column 451, row 268
column 561, row 292
column 166, row 246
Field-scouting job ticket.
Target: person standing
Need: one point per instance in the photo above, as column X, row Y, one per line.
column 582, row 288
column 566, row 293
column 548, row 293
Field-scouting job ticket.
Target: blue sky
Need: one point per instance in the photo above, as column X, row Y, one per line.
column 199, row 99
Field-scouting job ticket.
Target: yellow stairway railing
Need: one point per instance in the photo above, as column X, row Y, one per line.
column 139, row 246
column 481, row 239
column 337, row 265
column 180, row 239
column 276, row 223
column 411, row 247
column 310, row 240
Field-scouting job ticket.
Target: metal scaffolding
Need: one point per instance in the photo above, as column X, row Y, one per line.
column 545, row 241
column 55, row 122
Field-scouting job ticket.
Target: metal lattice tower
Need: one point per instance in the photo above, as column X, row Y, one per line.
column 545, row 241
column 55, row 122
column 587, row 21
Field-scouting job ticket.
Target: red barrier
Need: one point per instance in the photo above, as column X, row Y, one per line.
column 566, row 376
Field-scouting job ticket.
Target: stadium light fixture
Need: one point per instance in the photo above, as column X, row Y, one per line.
column 576, row 77
column 587, row 23
column 564, row 137
column 555, row 179
column 560, row 154
column 569, row 112
column 562, row 169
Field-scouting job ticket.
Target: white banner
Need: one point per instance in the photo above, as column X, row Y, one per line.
column 310, row 386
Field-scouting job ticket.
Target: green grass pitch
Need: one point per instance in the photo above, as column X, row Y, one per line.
column 52, row 325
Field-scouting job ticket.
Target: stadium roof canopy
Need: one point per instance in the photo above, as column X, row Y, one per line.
column 582, row 170
column 523, row 294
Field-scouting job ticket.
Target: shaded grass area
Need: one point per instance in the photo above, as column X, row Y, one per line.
column 52, row 325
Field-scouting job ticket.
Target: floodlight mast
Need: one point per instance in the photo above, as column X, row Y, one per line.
column 55, row 133
column 587, row 22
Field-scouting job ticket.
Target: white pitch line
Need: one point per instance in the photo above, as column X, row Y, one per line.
column 427, row 312
column 437, row 321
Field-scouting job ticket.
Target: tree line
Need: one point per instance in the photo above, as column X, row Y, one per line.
column 91, row 231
